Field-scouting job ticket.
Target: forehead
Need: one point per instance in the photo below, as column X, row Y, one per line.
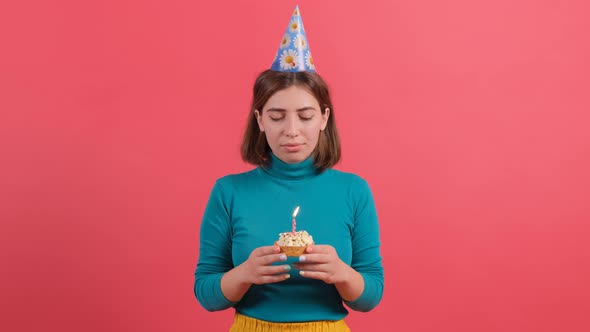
column 293, row 97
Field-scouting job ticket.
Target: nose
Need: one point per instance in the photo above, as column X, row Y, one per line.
column 292, row 129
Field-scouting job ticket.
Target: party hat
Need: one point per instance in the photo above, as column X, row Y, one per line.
column 293, row 54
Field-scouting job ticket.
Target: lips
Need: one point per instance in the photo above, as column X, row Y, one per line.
column 292, row 147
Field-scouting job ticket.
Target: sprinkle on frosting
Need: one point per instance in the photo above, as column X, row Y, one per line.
column 297, row 239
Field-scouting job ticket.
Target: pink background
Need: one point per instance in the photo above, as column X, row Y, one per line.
column 468, row 118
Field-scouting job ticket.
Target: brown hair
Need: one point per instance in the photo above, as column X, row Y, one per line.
column 255, row 150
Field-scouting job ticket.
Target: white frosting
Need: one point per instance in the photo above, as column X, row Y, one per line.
column 297, row 239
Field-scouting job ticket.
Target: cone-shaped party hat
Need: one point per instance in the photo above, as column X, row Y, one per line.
column 293, row 54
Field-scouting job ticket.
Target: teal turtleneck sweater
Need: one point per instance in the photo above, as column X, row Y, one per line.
column 249, row 210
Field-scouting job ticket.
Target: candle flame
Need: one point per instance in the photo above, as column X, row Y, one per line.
column 296, row 212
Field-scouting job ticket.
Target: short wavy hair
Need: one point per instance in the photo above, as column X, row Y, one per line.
column 255, row 149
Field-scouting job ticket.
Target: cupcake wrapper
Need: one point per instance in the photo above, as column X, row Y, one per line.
column 292, row 251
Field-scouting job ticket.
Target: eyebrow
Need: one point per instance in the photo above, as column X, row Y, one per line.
column 306, row 108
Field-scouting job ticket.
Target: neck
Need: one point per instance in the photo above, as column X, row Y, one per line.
column 283, row 170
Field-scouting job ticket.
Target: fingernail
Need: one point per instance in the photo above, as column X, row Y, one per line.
column 302, row 258
column 287, row 268
column 283, row 257
column 302, row 272
column 287, row 276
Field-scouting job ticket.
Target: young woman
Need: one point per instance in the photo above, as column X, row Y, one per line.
column 291, row 137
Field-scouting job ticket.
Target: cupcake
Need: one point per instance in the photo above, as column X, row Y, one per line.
column 294, row 243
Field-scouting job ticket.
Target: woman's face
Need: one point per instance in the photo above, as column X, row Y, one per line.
column 291, row 119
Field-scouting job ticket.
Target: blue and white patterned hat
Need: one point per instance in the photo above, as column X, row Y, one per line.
column 293, row 54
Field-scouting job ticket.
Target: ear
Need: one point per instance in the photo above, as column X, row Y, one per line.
column 259, row 120
column 325, row 117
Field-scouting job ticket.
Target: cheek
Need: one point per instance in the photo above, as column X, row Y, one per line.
column 313, row 131
column 312, row 135
column 271, row 136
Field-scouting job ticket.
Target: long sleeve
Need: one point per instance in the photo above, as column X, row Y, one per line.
column 366, row 257
column 215, row 252
column 248, row 210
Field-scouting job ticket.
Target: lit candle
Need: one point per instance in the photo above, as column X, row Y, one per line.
column 294, row 216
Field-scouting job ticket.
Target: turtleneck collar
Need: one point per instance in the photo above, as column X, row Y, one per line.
column 283, row 170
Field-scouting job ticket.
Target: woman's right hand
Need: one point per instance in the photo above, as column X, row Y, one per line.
column 257, row 269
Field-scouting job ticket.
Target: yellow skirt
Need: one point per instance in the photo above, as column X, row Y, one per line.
column 247, row 324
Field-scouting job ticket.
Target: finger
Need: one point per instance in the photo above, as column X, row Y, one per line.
column 319, row 249
column 314, row 258
column 316, row 275
column 311, row 267
column 273, row 279
column 269, row 259
column 273, row 270
column 267, row 250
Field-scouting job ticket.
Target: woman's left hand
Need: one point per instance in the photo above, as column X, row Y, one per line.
column 322, row 262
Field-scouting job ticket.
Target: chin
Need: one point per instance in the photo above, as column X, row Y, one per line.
column 293, row 158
